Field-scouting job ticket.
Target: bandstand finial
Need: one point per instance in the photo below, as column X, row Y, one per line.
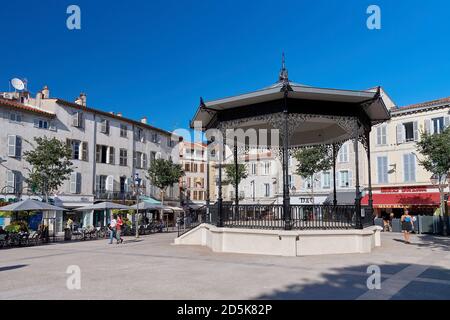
column 283, row 77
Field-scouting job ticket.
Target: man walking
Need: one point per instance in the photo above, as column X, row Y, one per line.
column 112, row 229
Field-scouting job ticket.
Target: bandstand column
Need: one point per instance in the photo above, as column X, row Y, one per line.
column 357, row 186
column 286, row 197
column 208, row 217
column 236, row 179
column 369, row 169
column 220, row 199
column 334, row 175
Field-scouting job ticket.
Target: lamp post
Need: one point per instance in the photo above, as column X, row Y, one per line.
column 137, row 189
column 437, row 180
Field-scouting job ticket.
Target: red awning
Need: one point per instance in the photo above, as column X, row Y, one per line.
column 381, row 200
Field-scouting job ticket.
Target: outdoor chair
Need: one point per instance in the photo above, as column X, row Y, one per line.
column 3, row 240
column 33, row 238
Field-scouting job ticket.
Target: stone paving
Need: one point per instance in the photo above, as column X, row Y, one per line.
column 153, row 268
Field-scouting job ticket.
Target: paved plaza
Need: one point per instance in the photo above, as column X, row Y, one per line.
column 152, row 268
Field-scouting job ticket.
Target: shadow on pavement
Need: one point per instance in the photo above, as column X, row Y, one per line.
column 351, row 282
column 17, row 266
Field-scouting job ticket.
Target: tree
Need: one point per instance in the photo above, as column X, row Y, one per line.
column 313, row 160
column 51, row 165
column 435, row 149
column 232, row 176
column 163, row 174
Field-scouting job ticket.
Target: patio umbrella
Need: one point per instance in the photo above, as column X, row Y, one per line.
column 104, row 206
column 30, row 205
column 144, row 205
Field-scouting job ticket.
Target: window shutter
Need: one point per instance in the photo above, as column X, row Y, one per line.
column 10, row 181
column 384, row 135
column 428, row 126
column 111, row 155
column 144, row 160
column 84, row 151
column 379, row 169
column 110, row 183
column 400, row 133
column 350, row 178
column 416, row 131
column 73, row 182
column 412, row 167
column 134, row 159
column 406, row 167
column 12, row 141
column 128, row 184
column 97, row 183
column 446, row 122
column 78, row 182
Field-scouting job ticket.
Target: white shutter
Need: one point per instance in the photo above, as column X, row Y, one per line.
column 406, row 167
column 416, row 131
column 73, row 182
column 108, row 153
column 400, row 133
column 428, row 126
column 110, row 183
column 350, row 178
column 97, row 183
column 446, row 122
column 128, row 183
column 12, row 139
column 111, row 155
column 10, row 181
column 84, row 151
column 379, row 142
column 144, row 160
column 384, row 135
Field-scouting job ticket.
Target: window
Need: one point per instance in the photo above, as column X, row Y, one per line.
column 140, row 160
column 290, row 181
column 409, row 167
column 152, row 156
column 79, row 149
column 307, row 183
column 187, row 167
column 438, row 125
column 104, row 154
column 382, row 167
column 155, row 137
column 407, row 132
column 326, row 177
column 100, row 183
column 381, row 135
column 266, row 190
column 170, row 142
column 77, row 120
column 41, row 124
column 343, row 153
column 75, row 182
column 104, row 126
column 123, row 130
column 344, row 180
column 253, row 168
column 139, row 135
column 202, row 167
column 266, row 168
column 15, row 117
column 14, row 146
column 123, row 157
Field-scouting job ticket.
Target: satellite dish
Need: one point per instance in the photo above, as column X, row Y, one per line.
column 18, row 84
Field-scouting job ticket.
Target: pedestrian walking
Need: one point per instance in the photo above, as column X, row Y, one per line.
column 119, row 225
column 112, row 229
column 407, row 225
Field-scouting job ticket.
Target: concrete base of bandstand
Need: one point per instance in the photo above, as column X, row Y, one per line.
column 281, row 242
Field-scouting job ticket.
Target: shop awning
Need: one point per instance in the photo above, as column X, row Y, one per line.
column 390, row 200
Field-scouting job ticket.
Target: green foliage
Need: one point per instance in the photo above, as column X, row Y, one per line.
column 230, row 171
column 17, row 226
column 435, row 149
column 313, row 160
column 164, row 173
column 51, row 165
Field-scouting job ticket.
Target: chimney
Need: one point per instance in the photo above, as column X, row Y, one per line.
column 144, row 120
column 81, row 100
column 45, row 93
column 119, row 114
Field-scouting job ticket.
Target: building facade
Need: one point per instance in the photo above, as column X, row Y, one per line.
column 107, row 151
column 398, row 179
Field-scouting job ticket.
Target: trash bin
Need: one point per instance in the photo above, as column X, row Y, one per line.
column 67, row 234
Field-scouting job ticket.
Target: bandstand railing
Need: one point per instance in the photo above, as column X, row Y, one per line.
column 303, row 217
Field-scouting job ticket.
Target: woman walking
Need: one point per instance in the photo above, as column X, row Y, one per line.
column 407, row 225
column 119, row 229
column 112, row 229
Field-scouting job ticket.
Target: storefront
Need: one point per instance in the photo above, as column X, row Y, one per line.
column 419, row 201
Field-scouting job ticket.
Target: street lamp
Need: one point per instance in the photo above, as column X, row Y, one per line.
column 437, row 180
column 136, row 186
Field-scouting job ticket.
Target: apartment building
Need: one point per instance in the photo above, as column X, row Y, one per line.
column 107, row 150
column 193, row 183
column 398, row 179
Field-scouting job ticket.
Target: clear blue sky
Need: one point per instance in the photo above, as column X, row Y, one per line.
column 156, row 58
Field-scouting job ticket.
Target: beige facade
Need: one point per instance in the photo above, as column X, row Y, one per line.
column 193, row 183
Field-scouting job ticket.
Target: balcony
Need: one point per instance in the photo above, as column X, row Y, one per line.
column 113, row 195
